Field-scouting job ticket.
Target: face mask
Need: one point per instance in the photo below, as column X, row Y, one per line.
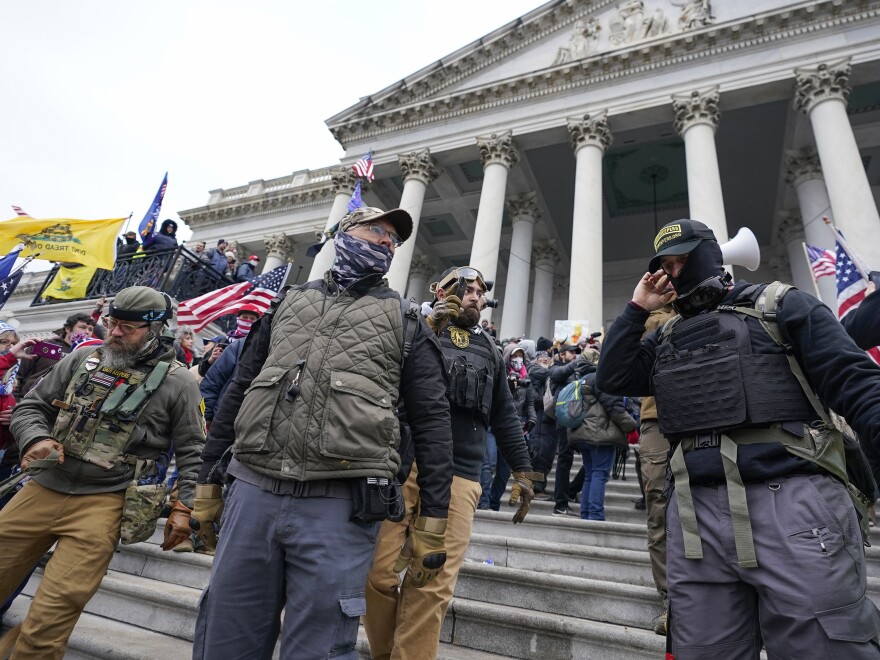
column 357, row 258
column 516, row 363
column 705, row 296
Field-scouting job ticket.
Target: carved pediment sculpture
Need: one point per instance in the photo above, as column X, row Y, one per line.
column 694, row 14
column 584, row 41
column 631, row 24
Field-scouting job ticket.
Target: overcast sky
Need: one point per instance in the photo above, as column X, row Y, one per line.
column 100, row 98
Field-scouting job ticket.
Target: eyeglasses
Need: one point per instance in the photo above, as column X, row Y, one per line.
column 111, row 323
column 381, row 232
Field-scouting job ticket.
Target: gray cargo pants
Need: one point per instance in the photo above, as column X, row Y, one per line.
column 280, row 551
column 807, row 597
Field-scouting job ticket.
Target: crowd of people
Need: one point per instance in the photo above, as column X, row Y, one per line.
column 339, row 444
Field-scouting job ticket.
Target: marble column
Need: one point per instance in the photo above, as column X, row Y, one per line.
column 821, row 93
column 418, row 172
column 590, row 137
column 343, row 181
column 791, row 234
column 545, row 258
column 696, row 120
column 804, row 174
column 524, row 213
column 498, row 153
column 420, row 270
column 279, row 250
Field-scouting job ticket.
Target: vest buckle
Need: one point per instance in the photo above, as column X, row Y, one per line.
column 707, row 440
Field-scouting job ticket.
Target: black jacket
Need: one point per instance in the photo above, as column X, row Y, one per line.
column 422, row 389
column 844, row 377
column 863, row 323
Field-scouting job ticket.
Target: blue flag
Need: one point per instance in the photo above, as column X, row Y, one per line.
column 8, row 284
column 147, row 228
column 7, row 262
column 355, row 202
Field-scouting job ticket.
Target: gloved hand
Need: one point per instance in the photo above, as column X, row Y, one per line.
column 424, row 552
column 207, row 507
column 42, row 449
column 177, row 529
column 521, row 492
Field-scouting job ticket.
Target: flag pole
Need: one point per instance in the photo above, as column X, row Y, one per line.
column 856, row 259
column 812, row 274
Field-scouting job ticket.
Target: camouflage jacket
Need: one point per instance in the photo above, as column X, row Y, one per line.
column 172, row 414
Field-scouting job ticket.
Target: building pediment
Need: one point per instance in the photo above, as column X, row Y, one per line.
column 567, row 44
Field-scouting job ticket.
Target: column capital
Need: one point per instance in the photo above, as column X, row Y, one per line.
column 802, row 165
column 544, row 252
column 343, row 180
column 418, row 165
column 421, row 265
column 524, row 207
column 498, row 148
column 698, row 107
column 790, row 227
column 280, row 246
column 591, row 129
column 821, row 83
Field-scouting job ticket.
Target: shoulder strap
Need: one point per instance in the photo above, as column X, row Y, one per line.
column 668, row 326
column 410, row 310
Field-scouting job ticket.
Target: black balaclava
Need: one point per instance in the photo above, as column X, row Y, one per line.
column 702, row 282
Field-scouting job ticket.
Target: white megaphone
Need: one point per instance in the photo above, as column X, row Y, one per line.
column 742, row 250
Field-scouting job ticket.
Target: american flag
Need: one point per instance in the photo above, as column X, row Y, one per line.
column 364, row 166
column 851, row 285
column 822, row 261
column 19, row 211
column 7, row 286
column 199, row 312
column 356, row 201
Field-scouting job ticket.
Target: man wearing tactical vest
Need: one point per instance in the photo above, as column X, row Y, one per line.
column 764, row 546
column 310, row 416
column 88, row 433
column 402, row 622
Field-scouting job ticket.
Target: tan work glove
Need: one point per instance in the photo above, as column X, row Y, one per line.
column 207, row 507
column 41, row 449
column 521, row 492
column 177, row 529
column 424, row 552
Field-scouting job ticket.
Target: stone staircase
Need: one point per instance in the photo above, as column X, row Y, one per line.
column 552, row 587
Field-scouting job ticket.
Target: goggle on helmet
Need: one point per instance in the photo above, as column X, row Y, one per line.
column 468, row 273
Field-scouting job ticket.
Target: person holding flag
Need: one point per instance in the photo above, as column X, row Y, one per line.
column 147, row 228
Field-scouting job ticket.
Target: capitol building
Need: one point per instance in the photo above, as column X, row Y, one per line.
column 548, row 152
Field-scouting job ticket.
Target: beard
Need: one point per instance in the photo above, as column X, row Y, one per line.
column 119, row 353
column 468, row 317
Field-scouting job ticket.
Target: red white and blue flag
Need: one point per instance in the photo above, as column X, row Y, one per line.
column 199, row 312
column 822, row 261
column 851, row 286
column 364, row 166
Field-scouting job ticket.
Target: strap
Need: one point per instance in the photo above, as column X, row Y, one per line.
column 137, row 398
column 411, row 311
column 668, row 327
column 34, row 467
column 739, row 508
column 693, row 546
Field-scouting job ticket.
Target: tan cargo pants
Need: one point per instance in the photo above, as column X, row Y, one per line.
column 86, row 528
column 653, row 451
column 405, row 623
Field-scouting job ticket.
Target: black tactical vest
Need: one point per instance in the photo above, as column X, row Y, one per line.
column 707, row 378
column 471, row 363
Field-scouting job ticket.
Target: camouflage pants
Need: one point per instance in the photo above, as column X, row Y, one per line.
column 86, row 528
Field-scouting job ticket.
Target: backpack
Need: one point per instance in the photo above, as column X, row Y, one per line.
column 571, row 409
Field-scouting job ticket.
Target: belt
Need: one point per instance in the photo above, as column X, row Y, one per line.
column 336, row 488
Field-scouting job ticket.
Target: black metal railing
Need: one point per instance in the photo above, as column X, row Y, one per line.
column 179, row 273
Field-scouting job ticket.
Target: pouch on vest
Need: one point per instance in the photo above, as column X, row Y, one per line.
column 141, row 509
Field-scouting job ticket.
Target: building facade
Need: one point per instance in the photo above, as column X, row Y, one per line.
column 548, row 152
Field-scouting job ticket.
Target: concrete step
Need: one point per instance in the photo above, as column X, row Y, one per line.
column 566, row 529
column 582, row 598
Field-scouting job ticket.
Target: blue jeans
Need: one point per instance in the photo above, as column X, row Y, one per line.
column 598, row 461
column 487, row 472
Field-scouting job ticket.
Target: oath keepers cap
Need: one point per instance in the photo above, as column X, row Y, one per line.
column 399, row 218
column 679, row 237
column 141, row 303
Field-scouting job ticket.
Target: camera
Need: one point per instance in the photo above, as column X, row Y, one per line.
column 491, row 302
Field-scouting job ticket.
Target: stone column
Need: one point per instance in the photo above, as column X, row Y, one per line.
column 822, row 92
column 696, row 120
column 344, row 181
column 420, row 270
column 524, row 213
column 279, row 250
column 804, row 174
column 590, row 137
column 545, row 258
column 791, row 235
column 418, row 172
column 498, row 153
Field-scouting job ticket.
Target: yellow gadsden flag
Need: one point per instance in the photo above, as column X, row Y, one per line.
column 88, row 242
column 70, row 283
